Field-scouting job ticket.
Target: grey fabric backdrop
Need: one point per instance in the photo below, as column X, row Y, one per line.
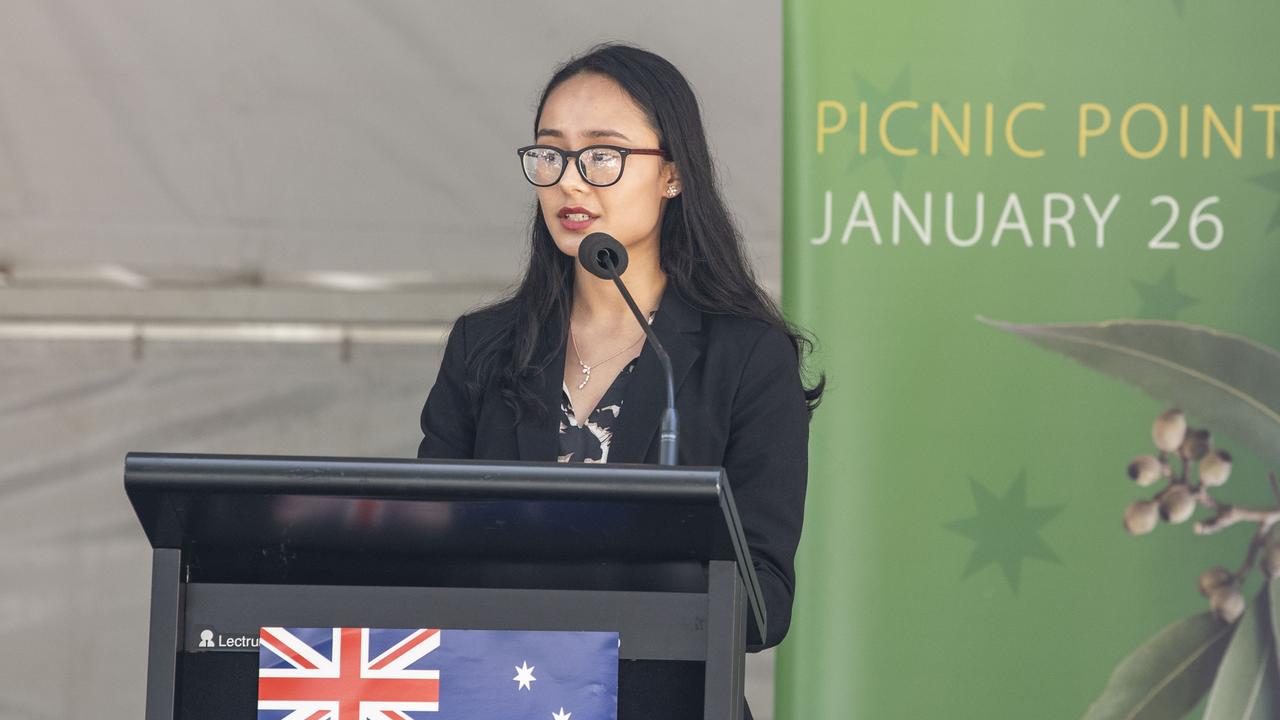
column 168, row 159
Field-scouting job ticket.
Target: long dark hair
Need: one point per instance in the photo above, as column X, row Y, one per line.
column 695, row 226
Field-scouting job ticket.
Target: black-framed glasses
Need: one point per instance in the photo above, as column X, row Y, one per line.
column 599, row 165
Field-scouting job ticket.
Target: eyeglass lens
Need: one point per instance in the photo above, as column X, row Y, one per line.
column 599, row 166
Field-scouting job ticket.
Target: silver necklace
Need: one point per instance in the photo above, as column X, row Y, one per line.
column 586, row 369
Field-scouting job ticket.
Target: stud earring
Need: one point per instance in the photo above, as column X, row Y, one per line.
column 672, row 191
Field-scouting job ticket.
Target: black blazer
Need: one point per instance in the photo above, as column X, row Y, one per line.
column 741, row 406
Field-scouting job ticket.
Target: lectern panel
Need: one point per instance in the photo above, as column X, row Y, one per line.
column 669, row 626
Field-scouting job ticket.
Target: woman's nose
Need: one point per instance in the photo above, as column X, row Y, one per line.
column 572, row 178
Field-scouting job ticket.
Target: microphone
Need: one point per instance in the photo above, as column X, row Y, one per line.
column 606, row 258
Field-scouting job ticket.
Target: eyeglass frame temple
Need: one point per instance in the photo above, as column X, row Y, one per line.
column 576, row 155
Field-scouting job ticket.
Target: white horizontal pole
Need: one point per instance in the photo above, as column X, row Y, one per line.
column 225, row 332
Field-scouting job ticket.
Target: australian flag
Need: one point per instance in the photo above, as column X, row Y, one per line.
column 434, row 674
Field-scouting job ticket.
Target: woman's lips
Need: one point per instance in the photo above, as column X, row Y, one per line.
column 575, row 225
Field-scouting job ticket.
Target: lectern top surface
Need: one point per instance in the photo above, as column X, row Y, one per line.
column 434, row 509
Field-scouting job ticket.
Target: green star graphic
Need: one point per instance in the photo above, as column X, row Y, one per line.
column 1271, row 181
column 877, row 100
column 1005, row 530
column 1162, row 300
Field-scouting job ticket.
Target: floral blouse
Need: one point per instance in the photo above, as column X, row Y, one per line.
column 589, row 442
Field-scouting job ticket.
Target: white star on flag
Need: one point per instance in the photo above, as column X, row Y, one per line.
column 562, row 715
column 524, row 676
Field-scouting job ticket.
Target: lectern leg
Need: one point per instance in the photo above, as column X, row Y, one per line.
column 166, row 633
column 726, row 642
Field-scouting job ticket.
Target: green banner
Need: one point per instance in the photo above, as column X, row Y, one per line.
column 1021, row 231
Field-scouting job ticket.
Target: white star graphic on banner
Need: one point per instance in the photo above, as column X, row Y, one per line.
column 524, row 676
column 562, row 715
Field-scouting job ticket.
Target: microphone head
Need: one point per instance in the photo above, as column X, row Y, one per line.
column 597, row 246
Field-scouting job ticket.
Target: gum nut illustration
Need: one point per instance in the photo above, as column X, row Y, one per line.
column 1271, row 561
column 1227, row 603
column 1169, row 429
column 1145, row 470
column 1215, row 468
column 1141, row 517
column 1213, row 578
column 1197, row 444
column 1177, row 505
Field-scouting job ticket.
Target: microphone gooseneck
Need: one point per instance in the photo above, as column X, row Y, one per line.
column 605, row 257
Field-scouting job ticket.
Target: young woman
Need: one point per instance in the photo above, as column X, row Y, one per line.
column 560, row 371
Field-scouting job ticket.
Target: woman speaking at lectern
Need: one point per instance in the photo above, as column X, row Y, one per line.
column 559, row 370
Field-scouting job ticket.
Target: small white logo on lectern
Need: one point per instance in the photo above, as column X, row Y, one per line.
column 206, row 638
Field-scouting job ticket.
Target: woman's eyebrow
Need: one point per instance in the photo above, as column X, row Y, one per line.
column 552, row 132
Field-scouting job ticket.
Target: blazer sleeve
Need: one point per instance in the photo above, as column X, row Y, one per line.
column 767, row 463
column 448, row 418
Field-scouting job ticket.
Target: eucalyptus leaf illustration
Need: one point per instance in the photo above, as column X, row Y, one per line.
column 1228, row 381
column 1167, row 675
column 1247, row 686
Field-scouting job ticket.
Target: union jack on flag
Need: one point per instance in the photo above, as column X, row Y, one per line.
column 433, row 674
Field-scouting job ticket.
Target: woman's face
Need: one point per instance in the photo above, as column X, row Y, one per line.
column 591, row 109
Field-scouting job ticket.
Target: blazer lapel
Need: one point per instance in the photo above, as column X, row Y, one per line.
column 677, row 325
column 540, row 440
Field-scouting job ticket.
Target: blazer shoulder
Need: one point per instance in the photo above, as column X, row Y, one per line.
column 485, row 322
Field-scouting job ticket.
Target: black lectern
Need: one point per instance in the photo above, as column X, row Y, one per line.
column 242, row 542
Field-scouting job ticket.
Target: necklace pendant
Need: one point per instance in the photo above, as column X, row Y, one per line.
column 586, row 376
